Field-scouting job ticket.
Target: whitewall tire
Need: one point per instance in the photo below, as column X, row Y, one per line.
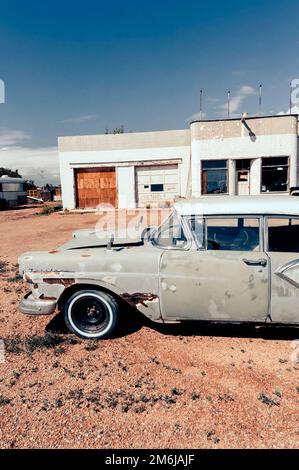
column 91, row 314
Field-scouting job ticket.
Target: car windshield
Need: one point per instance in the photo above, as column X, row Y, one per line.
column 170, row 234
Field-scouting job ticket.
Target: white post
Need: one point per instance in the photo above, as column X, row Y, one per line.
column 126, row 187
column 293, row 168
column 232, row 177
column 199, row 183
column 255, row 176
column 196, row 171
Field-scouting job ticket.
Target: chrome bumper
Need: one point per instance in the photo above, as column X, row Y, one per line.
column 31, row 306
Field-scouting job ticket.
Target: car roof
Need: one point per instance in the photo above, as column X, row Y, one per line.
column 234, row 205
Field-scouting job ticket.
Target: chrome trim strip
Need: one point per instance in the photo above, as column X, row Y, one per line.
column 281, row 272
column 31, row 306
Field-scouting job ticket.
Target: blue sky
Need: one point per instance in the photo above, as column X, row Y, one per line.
column 76, row 67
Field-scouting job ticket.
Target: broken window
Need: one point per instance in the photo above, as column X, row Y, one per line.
column 243, row 164
column 283, row 234
column 235, row 234
column 214, row 176
column 275, row 173
column 243, row 170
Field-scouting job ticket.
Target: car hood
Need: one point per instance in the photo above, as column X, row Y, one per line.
column 87, row 251
column 89, row 262
column 101, row 238
column 96, row 240
column 57, row 261
column 108, row 233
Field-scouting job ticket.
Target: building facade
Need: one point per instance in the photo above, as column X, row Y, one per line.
column 252, row 155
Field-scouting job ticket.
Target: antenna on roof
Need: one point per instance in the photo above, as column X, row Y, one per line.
column 260, row 99
column 291, row 104
column 228, row 104
column 200, row 105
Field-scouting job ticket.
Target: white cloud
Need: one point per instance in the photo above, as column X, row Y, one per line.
column 79, row 119
column 196, row 116
column 294, row 110
column 38, row 164
column 213, row 100
column 236, row 100
column 12, row 137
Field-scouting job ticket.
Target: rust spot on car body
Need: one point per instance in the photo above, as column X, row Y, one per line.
column 47, row 298
column 139, row 298
column 54, row 252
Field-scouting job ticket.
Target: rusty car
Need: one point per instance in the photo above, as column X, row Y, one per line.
column 215, row 259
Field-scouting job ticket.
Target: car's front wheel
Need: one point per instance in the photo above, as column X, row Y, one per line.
column 91, row 314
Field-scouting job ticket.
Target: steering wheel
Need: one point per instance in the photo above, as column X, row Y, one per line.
column 215, row 245
column 146, row 233
column 243, row 237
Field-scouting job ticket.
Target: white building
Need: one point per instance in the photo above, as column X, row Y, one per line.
column 255, row 155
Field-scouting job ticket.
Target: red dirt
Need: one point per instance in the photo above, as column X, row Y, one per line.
column 152, row 387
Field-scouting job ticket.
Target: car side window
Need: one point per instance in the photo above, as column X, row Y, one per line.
column 283, row 234
column 170, row 234
column 234, row 234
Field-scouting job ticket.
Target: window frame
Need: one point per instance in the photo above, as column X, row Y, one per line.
column 156, row 190
column 266, row 230
column 5, row 190
column 288, row 166
column 187, row 219
column 184, row 226
column 226, row 169
column 205, row 218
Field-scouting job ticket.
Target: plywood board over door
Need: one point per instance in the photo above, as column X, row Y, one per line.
column 95, row 186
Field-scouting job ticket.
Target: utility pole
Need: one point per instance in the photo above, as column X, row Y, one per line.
column 260, row 100
column 200, row 105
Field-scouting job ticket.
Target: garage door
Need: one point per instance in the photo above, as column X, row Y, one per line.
column 157, row 184
column 96, row 186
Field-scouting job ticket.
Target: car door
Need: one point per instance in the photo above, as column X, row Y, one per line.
column 224, row 278
column 282, row 245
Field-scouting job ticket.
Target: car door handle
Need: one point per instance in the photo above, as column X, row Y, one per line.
column 255, row 262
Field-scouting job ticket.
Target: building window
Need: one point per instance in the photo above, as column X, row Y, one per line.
column 243, row 169
column 275, row 171
column 214, row 176
column 157, row 188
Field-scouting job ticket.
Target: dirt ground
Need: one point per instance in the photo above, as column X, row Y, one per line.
column 150, row 387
